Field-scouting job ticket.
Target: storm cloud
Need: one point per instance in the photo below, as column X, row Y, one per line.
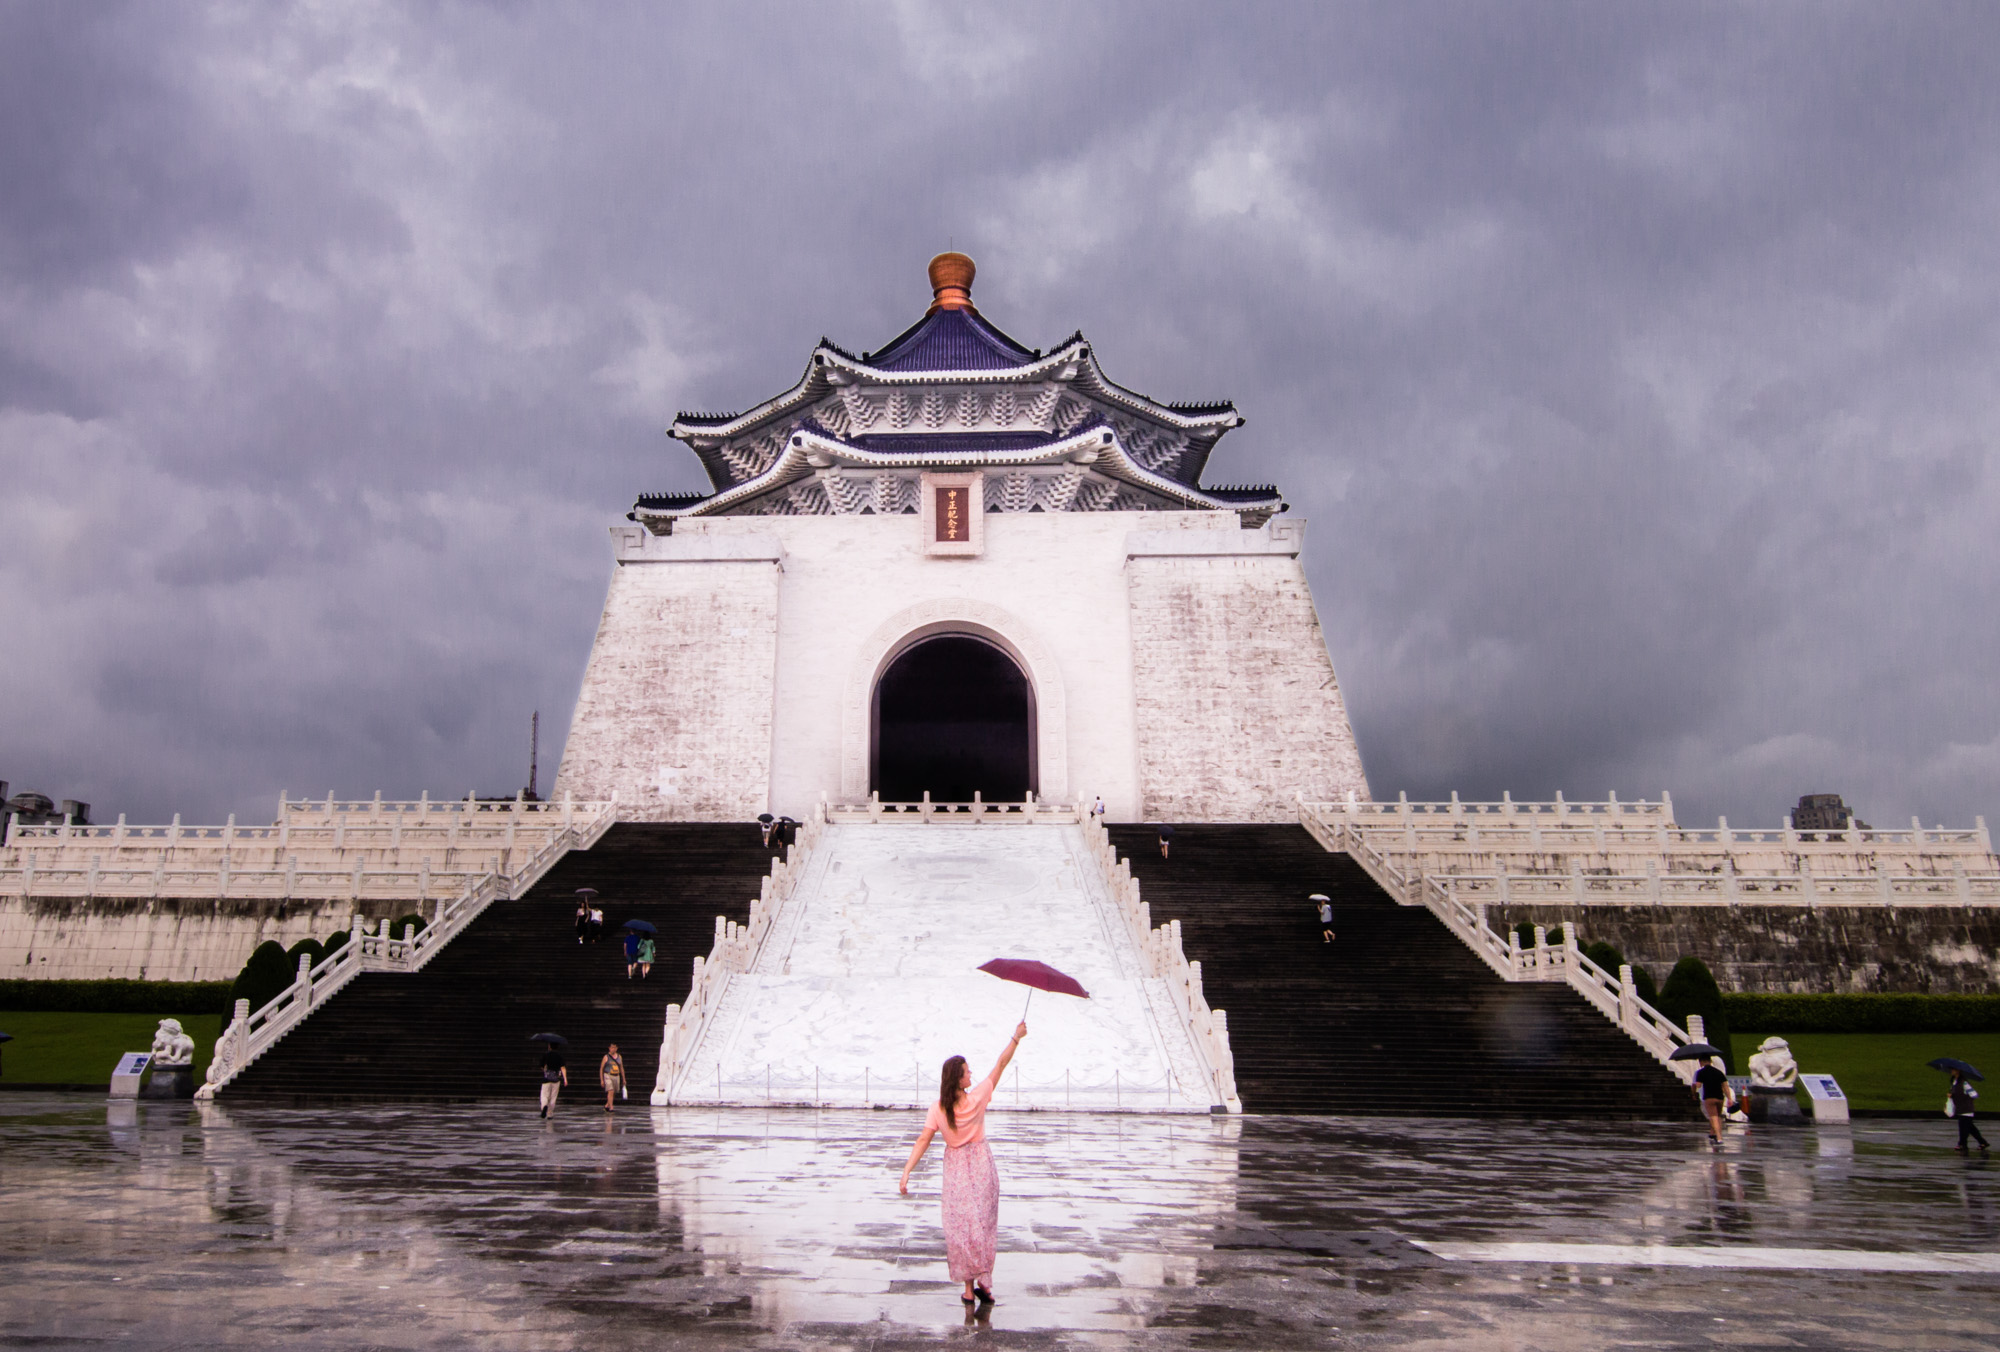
column 1635, row 368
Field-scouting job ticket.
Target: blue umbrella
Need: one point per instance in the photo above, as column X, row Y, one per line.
column 1953, row 1063
column 642, row 926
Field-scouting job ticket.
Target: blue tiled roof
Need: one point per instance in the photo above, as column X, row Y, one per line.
column 927, row 443
column 952, row 340
column 669, row 501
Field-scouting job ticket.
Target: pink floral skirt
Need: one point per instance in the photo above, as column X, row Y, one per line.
column 971, row 1211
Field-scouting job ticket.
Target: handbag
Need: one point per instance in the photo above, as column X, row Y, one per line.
column 624, row 1090
column 1950, row 1108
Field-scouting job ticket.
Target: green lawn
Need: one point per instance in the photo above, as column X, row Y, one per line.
column 1881, row 1070
column 53, row 1048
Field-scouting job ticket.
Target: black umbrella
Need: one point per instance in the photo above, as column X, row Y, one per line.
column 1953, row 1063
column 6, row 1037
column 765, row 818
column 642, row 926
column 1694, row 1051
column 1166, row 833
column 553, row 1039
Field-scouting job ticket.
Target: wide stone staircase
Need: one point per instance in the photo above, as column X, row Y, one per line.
column 1396, row 1016
column 459, row 1027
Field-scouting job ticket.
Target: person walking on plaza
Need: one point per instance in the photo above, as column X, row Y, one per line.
column 631, row 953
column 1166, row 839
column 1097, row 808
column 971, row 1188
column 611, row 1074
column 555, row 1074
column 1325, row 904
column 646, row 954
column 596, row 923
column 1963, row 1096
column 582, row 918
column 1711, row 1086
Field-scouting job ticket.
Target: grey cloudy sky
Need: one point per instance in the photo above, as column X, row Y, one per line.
column 1635, row 366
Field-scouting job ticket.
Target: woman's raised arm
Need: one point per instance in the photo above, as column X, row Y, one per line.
column 1020, row 1031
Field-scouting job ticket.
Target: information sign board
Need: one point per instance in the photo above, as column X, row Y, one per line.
column 125, row 1077
column 1828, row 1103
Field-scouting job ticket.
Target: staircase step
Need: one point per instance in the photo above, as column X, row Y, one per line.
column 1396, row 1016
column 459, row 1028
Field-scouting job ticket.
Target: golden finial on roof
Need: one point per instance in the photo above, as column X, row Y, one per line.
column 951, row 282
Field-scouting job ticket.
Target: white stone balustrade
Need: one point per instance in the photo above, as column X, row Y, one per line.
column 977, row 812
column 733, row 952
column 1160, row 951
column 422, row 851
column 1617, row 853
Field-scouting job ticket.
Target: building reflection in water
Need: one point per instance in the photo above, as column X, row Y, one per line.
column 1095, row 1211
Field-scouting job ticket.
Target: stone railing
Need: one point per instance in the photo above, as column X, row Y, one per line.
column 735, row 949
column 1162, row 957
column 975, row 813
column 424, row 850
column 1624, row 853
column 251, row 1033
column 1614, row 997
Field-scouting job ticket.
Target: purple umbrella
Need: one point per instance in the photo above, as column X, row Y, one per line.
column 1036, row 976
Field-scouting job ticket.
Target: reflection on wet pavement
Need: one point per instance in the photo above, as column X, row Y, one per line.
column 168, row 1225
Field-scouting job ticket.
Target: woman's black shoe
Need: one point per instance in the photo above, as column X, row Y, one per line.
column 985, row 1296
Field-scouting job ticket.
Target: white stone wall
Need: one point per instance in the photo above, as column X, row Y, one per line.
column 740, row 654
column 1238, row 707
column 674, row 717
column 170, row 939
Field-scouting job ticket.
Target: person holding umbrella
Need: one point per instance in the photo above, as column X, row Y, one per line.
column 971, row 1192
column 1961, row 1099
column 638, row 948
column 1711, row 1086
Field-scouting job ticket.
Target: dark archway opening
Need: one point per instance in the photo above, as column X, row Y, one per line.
column 953, row 716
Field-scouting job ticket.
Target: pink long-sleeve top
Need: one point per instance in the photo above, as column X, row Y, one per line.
column 971, row 1116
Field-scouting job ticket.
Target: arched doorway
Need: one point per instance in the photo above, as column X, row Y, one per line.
column 953, row 715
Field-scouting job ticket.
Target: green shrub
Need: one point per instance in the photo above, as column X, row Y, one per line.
column 333, row 941
column 1604, row 955
column 1526, row 930
column 1691, row 989
column 110, row 996
column 396, row 925
column 1610, row 959
column 1858, row 1013
column 263, row 978
column 304, row 948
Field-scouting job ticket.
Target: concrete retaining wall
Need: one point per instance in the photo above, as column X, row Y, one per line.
column 162, row 939
column 1933, row 949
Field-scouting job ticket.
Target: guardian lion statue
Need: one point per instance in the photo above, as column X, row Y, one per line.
column 171, row 1046
column 1772, row 1066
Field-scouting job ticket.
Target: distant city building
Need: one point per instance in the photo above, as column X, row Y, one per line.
column 1823, row 812
column 38, row 809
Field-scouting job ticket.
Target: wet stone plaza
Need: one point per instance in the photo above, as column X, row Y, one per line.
column 479, row 1225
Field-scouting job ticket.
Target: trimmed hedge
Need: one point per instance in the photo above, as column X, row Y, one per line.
column 115, row 997
column 1690, row 989
column 1885, row 1013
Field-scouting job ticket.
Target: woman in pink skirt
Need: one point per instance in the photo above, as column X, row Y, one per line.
column 971, row 1183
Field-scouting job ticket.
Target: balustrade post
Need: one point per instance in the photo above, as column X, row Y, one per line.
column 173, row 832
column 1961, row 884
column 1666, row 808
column 1697, row 1031
column 1576, row 883
column 304, row 982
column 1653, row 886
column 1569, row 944
column 1985, row 840
column 1916, row 831
column 424, row 879
column 1791, row 837
column 1808, row 892
column 118, row 836
column 1628, row 993
column 1541, row 946
column 1885, row 890
column 357, row 880
column 159, row 875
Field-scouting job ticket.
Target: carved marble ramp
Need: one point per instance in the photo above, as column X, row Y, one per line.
column 868, row 980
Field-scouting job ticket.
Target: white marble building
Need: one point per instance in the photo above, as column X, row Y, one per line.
column 959, row 565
